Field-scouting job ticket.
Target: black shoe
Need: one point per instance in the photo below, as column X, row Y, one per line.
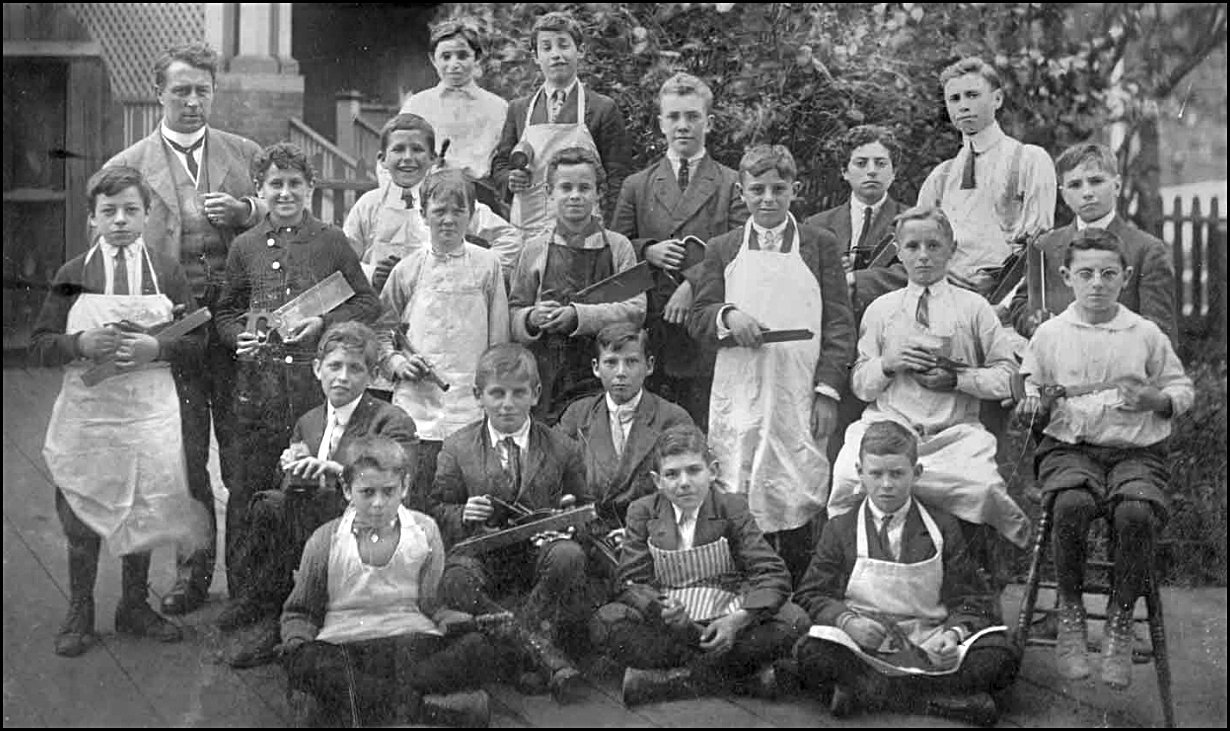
column 262, row 650
column 141, row 620
column 566, row 684
column 464, row 709
column 977, row 709
column 242, row 612
column 77, row 632
column 843, row 703
column 183, row 598
column 641, row 686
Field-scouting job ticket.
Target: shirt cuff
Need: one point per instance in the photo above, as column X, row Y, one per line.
column 722, row 330
column 965, row 382
column 824, row 389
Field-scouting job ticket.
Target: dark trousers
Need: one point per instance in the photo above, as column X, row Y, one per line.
column 207, row 397
column 388, row 672
column 554, row 573
column 279, row 524
column 84, row 548
column 990, row 666
column 796, row 545
column 424, row 475
column 1132, row 523
column 271, row 397
column 631, row 639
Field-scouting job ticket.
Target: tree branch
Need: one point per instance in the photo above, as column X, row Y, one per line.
column 1208, row 44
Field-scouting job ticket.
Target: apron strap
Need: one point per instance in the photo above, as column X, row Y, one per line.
column 146, row 263
column 529, row 112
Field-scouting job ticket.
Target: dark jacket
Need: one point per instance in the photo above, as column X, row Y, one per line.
column 372, row 417
column 871, row 282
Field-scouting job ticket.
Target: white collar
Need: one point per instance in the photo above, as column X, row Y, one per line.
column 679, row 514
column 1123, row 319
column 548, row 88
column 1102, row 223
column 675, row 158
column 521, row 436
column 180, row 138
column 937, row 288
column 987, row 137
column 779, row 230
column 393, row 193
column 632, row 405
column 132, row 251
column 343, row 413
column 469, row 89
column 878, row 515
column 857, row 206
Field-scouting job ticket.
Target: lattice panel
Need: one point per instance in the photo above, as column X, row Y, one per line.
column 133, row 34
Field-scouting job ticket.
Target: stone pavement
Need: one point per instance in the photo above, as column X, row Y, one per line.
column 138, row 683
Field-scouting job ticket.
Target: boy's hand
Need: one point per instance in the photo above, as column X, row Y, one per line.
column 222, row 209
column 823, row 416
column 937, row 379
column 666, row 254
column 518, row 180
column 247, row 344
column 384, row 267
column 1138, row 396
column 868, row 633
column 135, row 349
column 478, row 509
column 908, row 358
column 98, row 343
column 947, row 645
column 295, row 452
column 312, row 468
column 674, row 614
column 1029, row 409
column 541, row 313
column 719, row 637
column 411, row 368
column 678, row 306
column 562, row 321
column 1032, row 321
column 744, row 328
column 307, row 330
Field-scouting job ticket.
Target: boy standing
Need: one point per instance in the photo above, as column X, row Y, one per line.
column 122, row 436
column 449, row 301
column 281, row 520
column 893, row 572
column 687, row 193
column 774, row 405
column 704, row 596
column 575, row 253
column 1104, row 446
column 927, row 355
column 1089, row 183
column 518, row 461
column 561, row 113
column 268, row 266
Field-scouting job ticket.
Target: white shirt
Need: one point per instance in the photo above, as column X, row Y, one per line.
column 134, row 254
column 1102, row 223
column 896, row 526
column 687, row 527
column 549, row 89
column 335, row 418
column 186, row 140
column 521, row 438
column 675, row 159
column 613, row 412
column 770, row 239
column 470, row 116
column 857, row 216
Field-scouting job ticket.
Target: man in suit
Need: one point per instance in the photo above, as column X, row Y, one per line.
column 705, row 596
column 1089, row 183
column 283, row 520
column 506, row 463
column 686, row 193
column 863, row 226
column 203, row 197
column 891, row 587
column 618, row 428
column 561, row 113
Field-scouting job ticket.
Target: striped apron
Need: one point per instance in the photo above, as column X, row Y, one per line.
column 702, row 578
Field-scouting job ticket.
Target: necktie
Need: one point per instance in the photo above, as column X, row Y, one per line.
column 121, row 272
column 513, row 468
column 187, row 152
column 335, row 436
column 967, row 175
column 888, row 548
column 623, row 415
column 685, row 541
column 862, row 234
column 684, row 177
column 557, row 106
column 768, row 241
column 407, row 196
column 923, row 313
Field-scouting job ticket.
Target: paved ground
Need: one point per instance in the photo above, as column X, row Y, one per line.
column 134, row 683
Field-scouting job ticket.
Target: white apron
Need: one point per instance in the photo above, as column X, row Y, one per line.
column 907, row 593
column 530, row 212
column 116, row 449
column 700, row 578
column 760, row 404
column 367, row 602
column 447, row 317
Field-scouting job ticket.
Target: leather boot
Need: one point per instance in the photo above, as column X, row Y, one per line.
column 195, row 574
column 77, row 632
column 1117, row 649
column 465, row 709
column 134, row 615
column 304, row 708
column 1071, row 654
column 977, row 709
column 646, row 686
column 564, row 680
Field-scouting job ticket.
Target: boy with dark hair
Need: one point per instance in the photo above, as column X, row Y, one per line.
column 773, row 405
column 1104, row 451
column 900, row 612
column 120, row 437
column 509, row 461
column 1089, row 184
column 686, row 193
column 578, row 251
column 561, row 113
column 268, row 266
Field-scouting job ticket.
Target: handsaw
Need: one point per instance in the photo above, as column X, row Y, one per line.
column 772, row 336
column 1035, row 274
column 317, row 300
column 628, row 283
column 883, row 253
column 167, row 333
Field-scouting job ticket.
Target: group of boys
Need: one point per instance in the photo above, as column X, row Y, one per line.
column 709, row 556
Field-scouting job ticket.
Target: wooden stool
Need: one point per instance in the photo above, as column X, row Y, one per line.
column 1152, row 596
